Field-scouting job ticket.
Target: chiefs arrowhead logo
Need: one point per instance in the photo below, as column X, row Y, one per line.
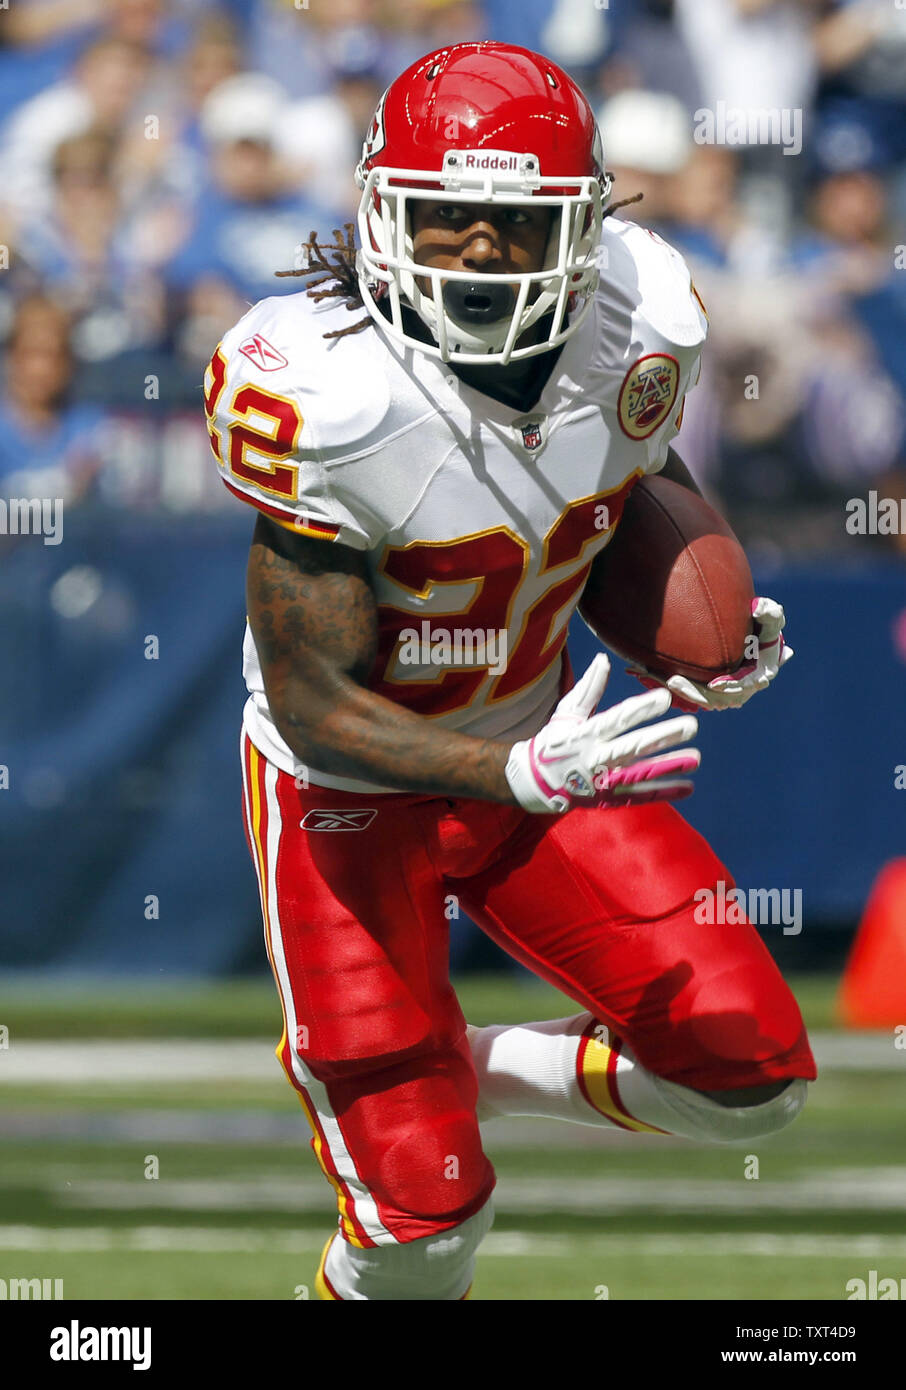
column 263, row 353
column 647, row 394
column 375, row 138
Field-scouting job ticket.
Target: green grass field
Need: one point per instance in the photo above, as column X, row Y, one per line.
column 239, row 1209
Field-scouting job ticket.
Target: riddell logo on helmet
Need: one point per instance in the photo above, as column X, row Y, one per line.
column 500, row 160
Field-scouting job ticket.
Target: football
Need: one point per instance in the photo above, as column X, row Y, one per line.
column 673, row 590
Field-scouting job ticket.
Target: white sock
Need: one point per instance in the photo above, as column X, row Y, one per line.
column 441, row 1266
column 535, row 1069
column 574, row 1069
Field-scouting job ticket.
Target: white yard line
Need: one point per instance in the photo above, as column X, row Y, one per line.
column 203, row 1240
column 835, row 1189
column 190, row 1060
column 92, row 1061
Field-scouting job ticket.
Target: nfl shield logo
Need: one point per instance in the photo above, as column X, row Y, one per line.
column 533, row 433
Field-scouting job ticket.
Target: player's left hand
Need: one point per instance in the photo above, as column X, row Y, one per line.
column 733, row 690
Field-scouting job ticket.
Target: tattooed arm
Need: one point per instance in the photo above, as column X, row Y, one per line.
column 313, row 616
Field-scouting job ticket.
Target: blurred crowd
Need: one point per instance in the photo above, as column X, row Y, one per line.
column 161, row 159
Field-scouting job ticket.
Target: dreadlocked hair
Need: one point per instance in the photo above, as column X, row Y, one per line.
column 623, row 203
column 340, row 276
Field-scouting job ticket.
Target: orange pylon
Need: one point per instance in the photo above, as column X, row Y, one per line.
column 873, row 986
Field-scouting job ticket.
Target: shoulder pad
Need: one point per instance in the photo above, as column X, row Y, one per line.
column 283, row 403
column 646, row 286
column 338, row 383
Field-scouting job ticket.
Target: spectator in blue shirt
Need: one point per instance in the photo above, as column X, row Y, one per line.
column 249, row 221
column 50, row 445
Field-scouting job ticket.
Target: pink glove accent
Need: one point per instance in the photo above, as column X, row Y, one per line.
column 535, row 762
column 652, row 683
column 645, row 770
column 771, row 656
column 647, row 780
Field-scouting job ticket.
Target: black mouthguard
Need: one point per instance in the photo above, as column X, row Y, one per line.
column 476, row 304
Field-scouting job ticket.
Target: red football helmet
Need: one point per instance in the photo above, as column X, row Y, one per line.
column 482, row 123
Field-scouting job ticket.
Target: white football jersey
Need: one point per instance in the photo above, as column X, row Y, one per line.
column 479, row 522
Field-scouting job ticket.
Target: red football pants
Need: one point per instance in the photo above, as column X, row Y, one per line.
column 357, row 893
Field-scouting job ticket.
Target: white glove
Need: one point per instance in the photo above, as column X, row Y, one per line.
column 732, row 691
column 585, row 759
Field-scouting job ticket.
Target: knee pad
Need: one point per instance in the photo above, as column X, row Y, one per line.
column 699, row 1117
column 439, row 1267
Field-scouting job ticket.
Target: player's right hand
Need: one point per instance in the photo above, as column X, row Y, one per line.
column 585, row 759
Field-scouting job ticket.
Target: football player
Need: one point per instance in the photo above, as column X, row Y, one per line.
column 439, row 437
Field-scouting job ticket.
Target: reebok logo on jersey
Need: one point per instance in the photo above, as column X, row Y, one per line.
column 337, row 820
column 263, row 353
